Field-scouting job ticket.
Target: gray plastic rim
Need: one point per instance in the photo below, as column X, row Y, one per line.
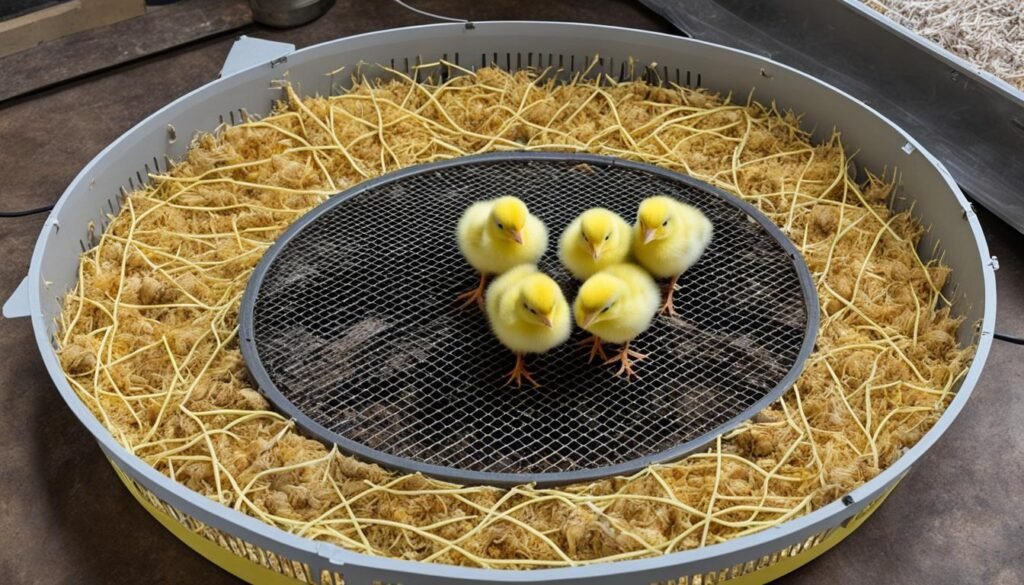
column 56, row 256
column 267, row 386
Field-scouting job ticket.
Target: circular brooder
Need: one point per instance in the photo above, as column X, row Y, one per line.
column 348, row 326
column 257, row 551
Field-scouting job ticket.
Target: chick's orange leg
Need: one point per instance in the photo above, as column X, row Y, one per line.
column 667, row 307
column 596, row 348
column 474, row 296
column 625, row 365
column 519, row 372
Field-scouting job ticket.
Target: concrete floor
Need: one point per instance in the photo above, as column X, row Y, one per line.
column 65, row 517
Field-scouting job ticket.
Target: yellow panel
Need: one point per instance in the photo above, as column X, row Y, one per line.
column 241, row 567
column 252, row 572
column 793, row 563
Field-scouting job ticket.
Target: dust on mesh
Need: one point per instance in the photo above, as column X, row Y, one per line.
column 148, row 338
column 355, row 327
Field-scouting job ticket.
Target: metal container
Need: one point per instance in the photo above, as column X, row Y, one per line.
column 288, row 13
column 945, row 101
column 257, row 551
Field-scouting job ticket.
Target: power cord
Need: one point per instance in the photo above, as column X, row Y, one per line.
column 26, row 212
column 1008, row 338
column 468, row 23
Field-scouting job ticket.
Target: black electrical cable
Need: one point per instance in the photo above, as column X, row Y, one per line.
column 26, row 212
column 1008, row 338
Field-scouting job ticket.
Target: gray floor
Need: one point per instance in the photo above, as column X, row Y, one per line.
column 65, row 517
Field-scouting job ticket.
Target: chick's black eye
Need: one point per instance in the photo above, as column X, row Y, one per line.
column 664, row 223
column 608, row 236
column 605, row 310
column 500, row 227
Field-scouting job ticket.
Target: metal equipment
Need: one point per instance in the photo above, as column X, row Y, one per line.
column 970, row 119
column 288, row 13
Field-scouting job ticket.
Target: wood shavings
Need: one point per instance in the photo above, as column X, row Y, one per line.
column 988, row 33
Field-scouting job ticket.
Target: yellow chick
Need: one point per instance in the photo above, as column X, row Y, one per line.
column 497, row 235
column 616, row 305
column 598, row 238
column 668, row 238
column 528, row 314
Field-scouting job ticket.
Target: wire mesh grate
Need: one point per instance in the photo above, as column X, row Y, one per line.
column 349, row 325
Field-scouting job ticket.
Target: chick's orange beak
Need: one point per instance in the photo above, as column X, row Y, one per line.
column 546, row 319
column 595, row 250
column 649, row 234
column 517, row 235
column 587, row 319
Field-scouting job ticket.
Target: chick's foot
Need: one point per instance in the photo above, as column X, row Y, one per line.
column 474, row 296
column 668, row 307
column 519, row 372
column 596, row 348
column 625, row 365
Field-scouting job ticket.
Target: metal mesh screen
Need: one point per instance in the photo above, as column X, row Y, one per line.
column 350, row 325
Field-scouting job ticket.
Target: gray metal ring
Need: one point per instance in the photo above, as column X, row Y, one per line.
column 317, row 429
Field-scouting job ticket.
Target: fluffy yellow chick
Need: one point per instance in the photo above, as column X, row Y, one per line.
column 528, row 314
column 598, row 238
column 497, row 235
column 668, row 238
column 616, row 305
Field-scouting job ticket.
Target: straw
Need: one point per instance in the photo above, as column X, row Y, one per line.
column 149, row 342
